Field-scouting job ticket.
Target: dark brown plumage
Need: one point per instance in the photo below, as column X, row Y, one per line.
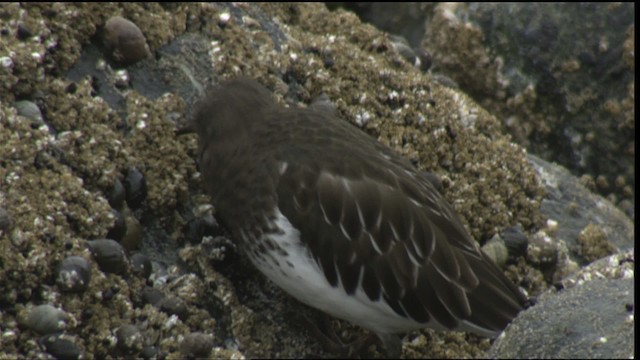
column 340, row 221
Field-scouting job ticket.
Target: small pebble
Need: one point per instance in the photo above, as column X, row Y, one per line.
column 135, row 186
column 23, row 32
column 125, row 40
column 73, row 274
column 197, row 344
column 110, row 256
column 61, row 346
column 29, row 110
column 141, row 265
column 117, row 195
column 47, row 319
column 133, row 236
column 149, row 352
column 516, row 242
column 152, row 296
column 130, row 339
column 119, row 228
column 173, row 306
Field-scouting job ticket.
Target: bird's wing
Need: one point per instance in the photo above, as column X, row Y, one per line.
column 380, row 227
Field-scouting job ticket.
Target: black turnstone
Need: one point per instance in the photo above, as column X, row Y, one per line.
column 341, row 222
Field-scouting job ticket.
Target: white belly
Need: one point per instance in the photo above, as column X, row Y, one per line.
column 300, row 276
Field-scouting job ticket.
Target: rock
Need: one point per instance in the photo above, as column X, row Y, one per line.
column 73, row 274
column 594, row 318
column 574, row 207
column 197, row 345
column 130, row 339
column 136, row 187
column 125, row 40
column 110, row 256
column 47, row 319
column 29, row 110
column 61, row 346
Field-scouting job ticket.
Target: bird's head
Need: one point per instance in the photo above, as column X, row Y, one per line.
column 227, row 111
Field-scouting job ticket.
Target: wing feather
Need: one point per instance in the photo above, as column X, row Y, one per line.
column 392, row 235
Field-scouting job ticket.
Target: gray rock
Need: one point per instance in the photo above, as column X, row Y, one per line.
column 47, row 319
column 29, row 110
column 592, row 319
column 124, row 40
column 574, row 207
column 73, row 274
column 576, row 59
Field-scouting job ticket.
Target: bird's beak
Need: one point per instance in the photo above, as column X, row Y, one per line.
column 186, row 129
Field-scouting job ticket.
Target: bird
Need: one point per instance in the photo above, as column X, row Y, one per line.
column 340, row 221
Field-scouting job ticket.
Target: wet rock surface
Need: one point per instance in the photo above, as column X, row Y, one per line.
column 57, row 178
